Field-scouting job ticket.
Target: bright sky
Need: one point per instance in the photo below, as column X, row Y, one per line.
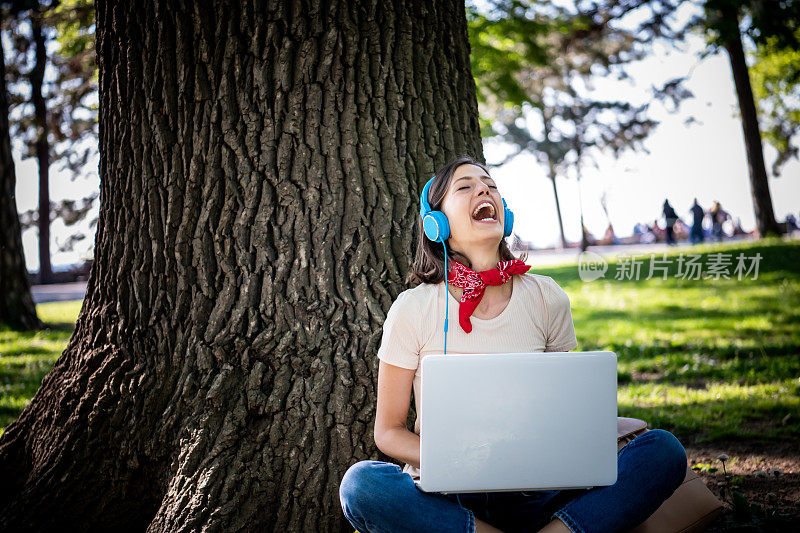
column 705, row 159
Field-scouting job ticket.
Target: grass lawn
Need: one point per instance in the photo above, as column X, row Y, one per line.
column 715, row 361
column 25, row 358
column 708, row 359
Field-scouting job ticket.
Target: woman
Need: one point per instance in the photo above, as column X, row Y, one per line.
column 718, row 217
column 504, row 309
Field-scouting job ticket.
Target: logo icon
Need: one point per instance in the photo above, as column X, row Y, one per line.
column 591, row 266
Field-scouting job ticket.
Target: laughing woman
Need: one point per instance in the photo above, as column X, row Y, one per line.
column 501, row 308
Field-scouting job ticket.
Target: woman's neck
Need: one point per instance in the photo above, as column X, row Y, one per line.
column 482, row 259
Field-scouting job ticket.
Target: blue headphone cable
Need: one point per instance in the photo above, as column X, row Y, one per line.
column 446, row 298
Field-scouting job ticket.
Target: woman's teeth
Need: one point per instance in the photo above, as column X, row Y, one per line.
column 487, row 206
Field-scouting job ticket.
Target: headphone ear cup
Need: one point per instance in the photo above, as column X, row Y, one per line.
column 508, row 220
column 436, row 225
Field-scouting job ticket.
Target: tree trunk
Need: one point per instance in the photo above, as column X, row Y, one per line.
column 578, row 161
column 16, row 304
column 546, row 117
column 42, row 148
column 558, row 206
column 759, row 186
column 584, row 238
column 260, row 171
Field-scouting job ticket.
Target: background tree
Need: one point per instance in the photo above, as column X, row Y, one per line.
column 53, row 112
column 776, row 87
column 514, row 37
column 724, row 23
column 17, row 308
column 533, row 63
column 260, row 169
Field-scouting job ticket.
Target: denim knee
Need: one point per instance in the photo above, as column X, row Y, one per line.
column 359, row 483
column 672, row 455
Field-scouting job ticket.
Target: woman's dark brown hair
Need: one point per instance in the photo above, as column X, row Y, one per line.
column 429, row 261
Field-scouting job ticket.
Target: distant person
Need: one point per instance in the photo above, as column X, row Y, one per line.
column 656, row 231
column 681, row 231
column 648, row 235
column 590, row 239
column 718, row 217
column 790, row 223
column 638, row 231
column 642, row 233
column 609, row 237
column 671, row 218
column 737, row 228
column 697, row 223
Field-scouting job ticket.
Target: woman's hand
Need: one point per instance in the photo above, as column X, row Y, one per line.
column 394, row 398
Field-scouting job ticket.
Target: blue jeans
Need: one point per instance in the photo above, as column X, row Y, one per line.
column 378, row 497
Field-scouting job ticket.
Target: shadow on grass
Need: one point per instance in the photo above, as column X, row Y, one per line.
column 715, row 420
column 25, row 350
column 60, row 326
column 694, row 371
column 7, row 411
column 54, row 327
column 662, row 314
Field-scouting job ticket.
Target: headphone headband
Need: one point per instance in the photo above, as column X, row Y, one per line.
column 424, row 206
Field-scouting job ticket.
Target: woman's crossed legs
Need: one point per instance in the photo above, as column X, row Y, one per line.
column 378, row 497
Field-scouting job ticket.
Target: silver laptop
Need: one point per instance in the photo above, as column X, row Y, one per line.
column 520, row 421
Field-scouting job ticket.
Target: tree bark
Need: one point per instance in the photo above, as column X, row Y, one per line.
column 42, row 148
column 260, row 169
column 759, row 186
column 17, row 308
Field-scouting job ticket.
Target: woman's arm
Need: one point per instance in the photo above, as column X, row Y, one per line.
column 394, row 397
column 560, row 330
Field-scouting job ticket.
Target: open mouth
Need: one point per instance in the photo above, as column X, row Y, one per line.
column 484, row 212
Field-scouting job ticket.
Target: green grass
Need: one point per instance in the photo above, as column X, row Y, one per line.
column 25, row 358
column 706, row 359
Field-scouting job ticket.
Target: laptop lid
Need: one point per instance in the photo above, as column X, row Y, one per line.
column 520, row 421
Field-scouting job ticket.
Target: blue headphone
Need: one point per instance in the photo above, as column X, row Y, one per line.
column 437, row 229
column 435, row 223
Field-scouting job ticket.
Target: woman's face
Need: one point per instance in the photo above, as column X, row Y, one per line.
column 474, row 209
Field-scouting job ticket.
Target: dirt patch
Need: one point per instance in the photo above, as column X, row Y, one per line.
column 772, row 502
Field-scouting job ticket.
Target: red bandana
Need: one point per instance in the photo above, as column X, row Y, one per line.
column 474, row 283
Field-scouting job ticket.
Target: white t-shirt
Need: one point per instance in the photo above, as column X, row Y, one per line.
column 536, row 319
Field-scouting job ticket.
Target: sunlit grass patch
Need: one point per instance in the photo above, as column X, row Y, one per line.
column 26, row 357
column 720, row 410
